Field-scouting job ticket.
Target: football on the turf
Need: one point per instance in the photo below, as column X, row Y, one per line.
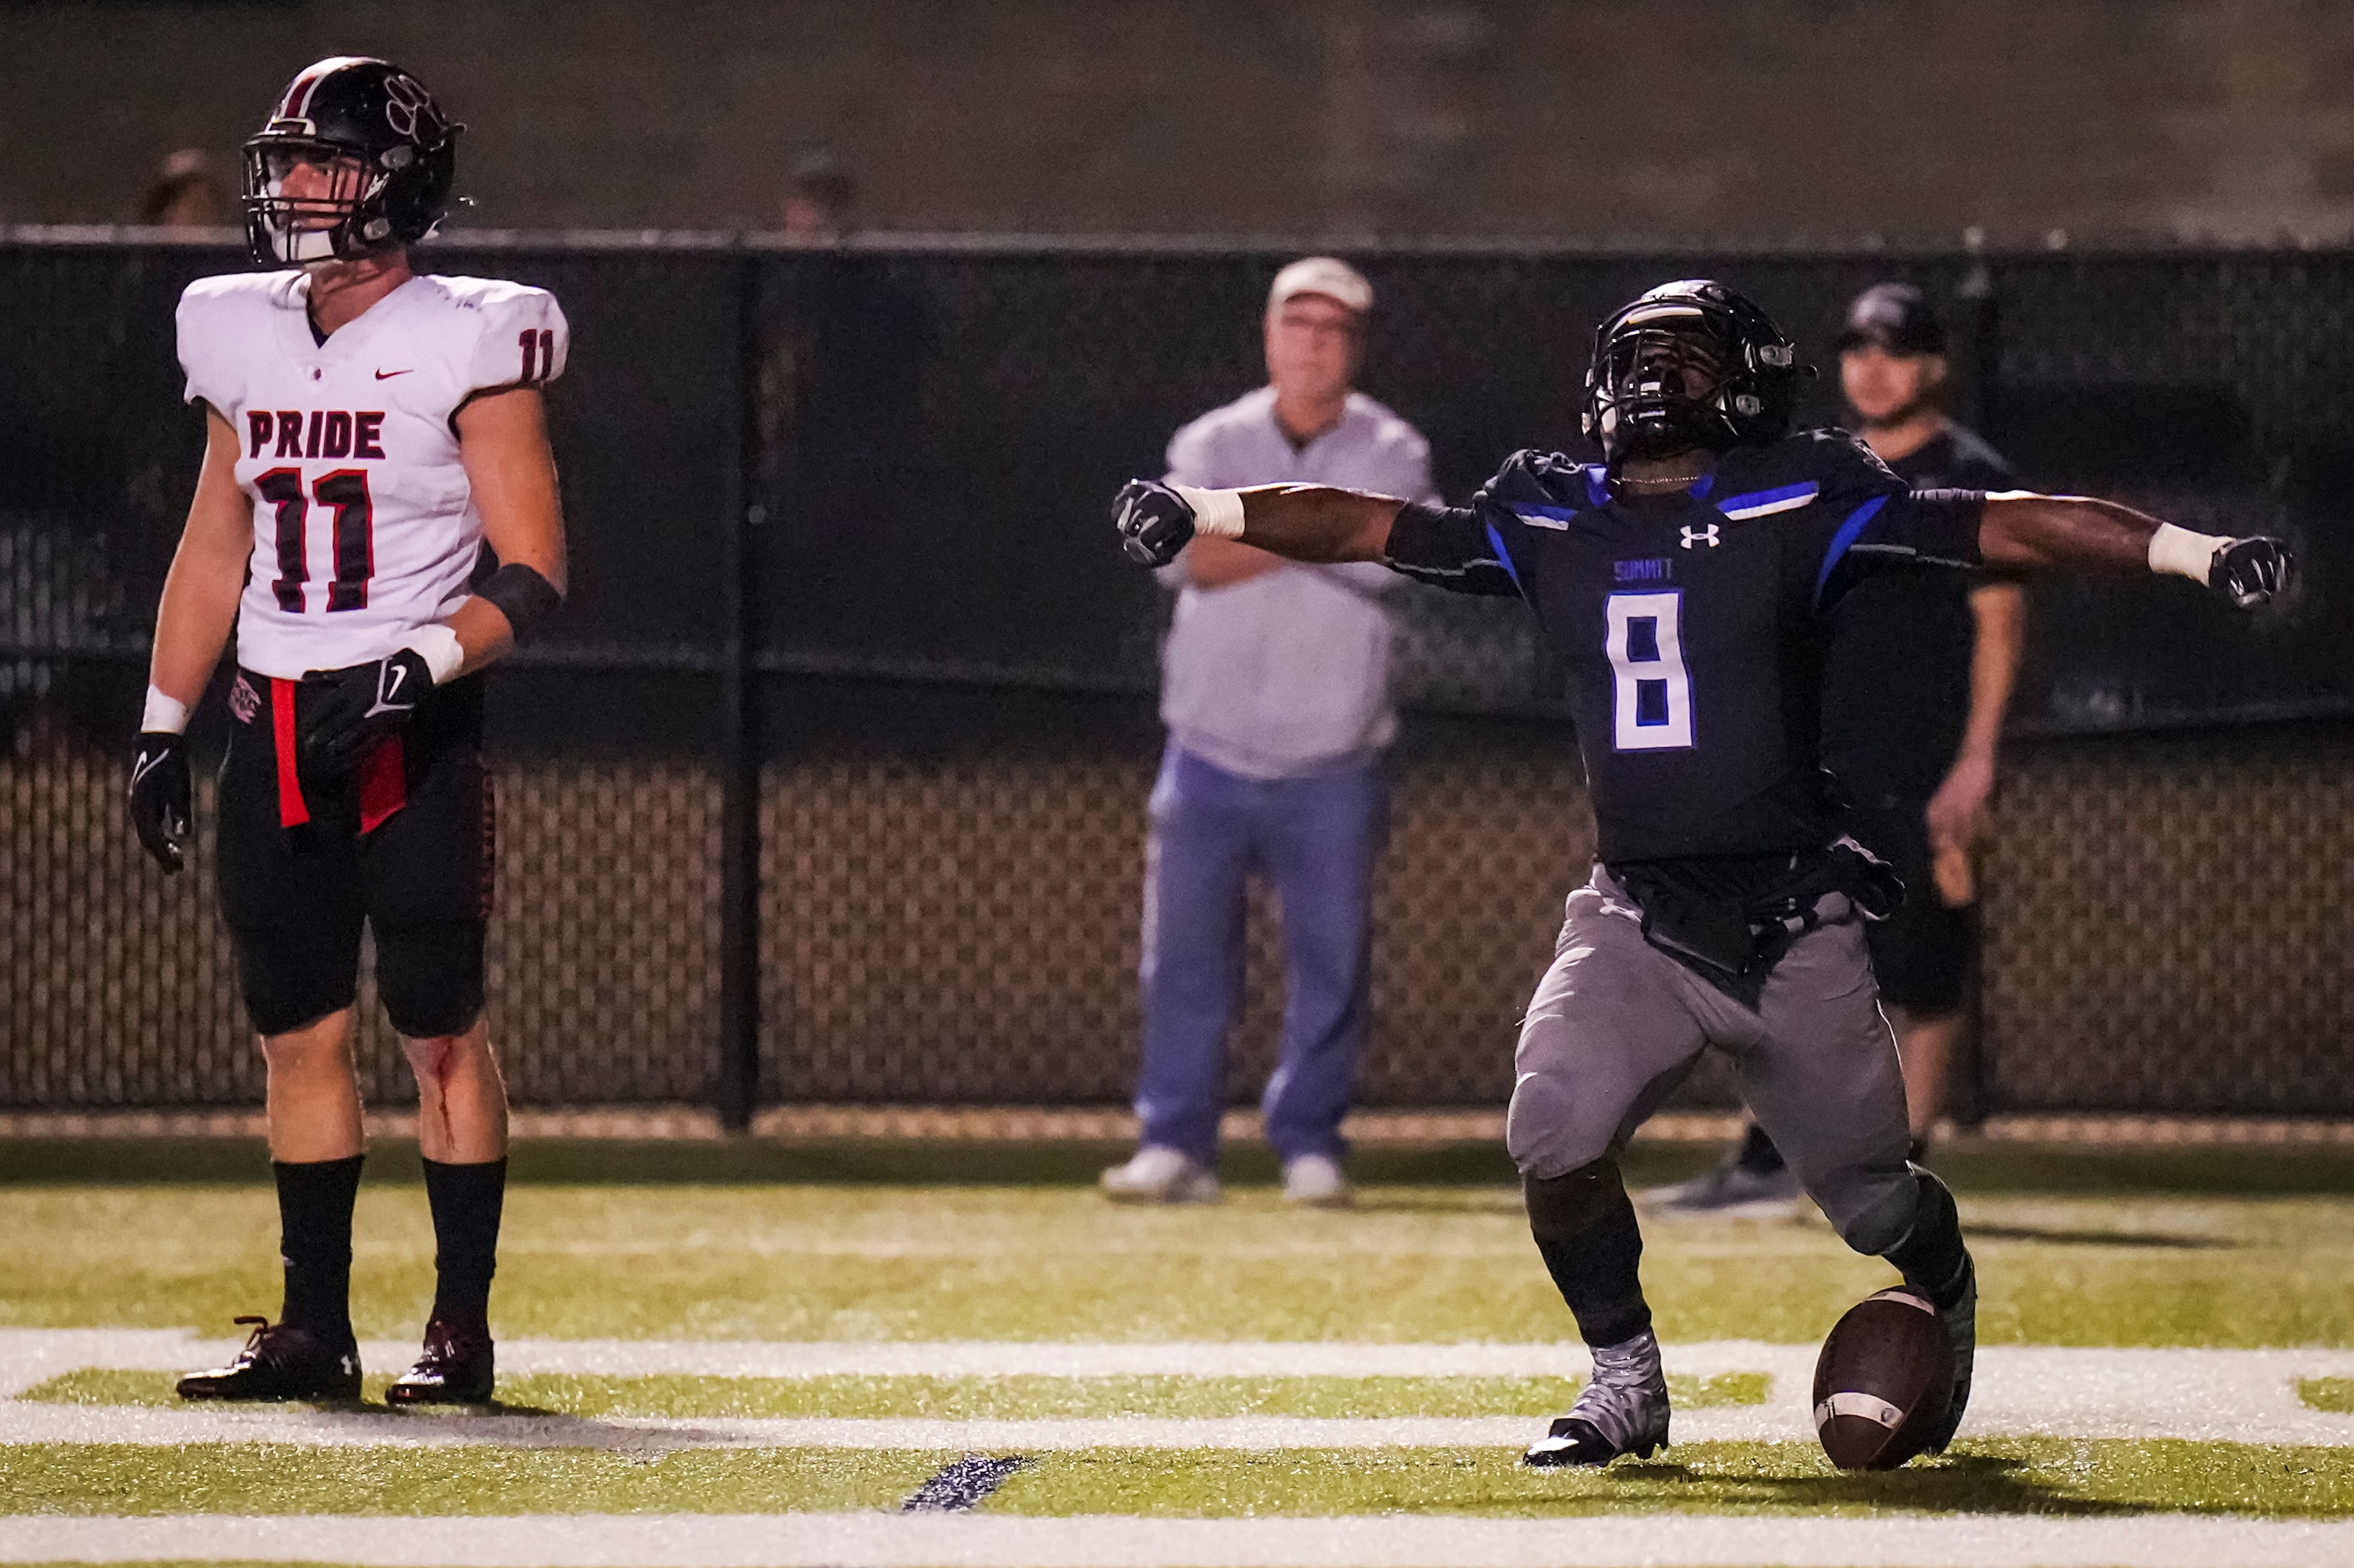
column 1883, row 1381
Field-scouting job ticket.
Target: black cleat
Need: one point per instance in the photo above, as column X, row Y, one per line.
column 1624, row 1410
column 281, row 1360
column 1573, row 1440
column 455, row 1368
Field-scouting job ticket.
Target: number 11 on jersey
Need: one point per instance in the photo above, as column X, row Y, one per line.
column 1650, row 705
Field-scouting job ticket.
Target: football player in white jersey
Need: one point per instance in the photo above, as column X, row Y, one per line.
column 377, row 519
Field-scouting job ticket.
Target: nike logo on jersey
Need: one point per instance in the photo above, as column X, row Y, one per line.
column 388, row 375
column 1707, row 535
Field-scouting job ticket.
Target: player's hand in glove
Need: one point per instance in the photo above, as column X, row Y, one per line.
column 351, row 709
column 2250, row 572
column 1154, row 522
column 158, row 797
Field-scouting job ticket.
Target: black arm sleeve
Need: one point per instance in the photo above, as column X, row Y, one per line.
column 1450, row 547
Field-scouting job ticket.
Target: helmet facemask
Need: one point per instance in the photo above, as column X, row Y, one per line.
column 308, row 199
column 1661, row 386
column 1688, row 366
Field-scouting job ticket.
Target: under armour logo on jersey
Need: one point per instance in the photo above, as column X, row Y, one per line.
column 1707, row 535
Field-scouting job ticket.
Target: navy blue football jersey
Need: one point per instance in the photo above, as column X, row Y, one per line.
column 1693, row 625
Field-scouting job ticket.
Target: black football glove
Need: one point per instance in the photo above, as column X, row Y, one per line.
column 1154, row 522
column 350, row 710
column 158, row 796
column 2250, row 572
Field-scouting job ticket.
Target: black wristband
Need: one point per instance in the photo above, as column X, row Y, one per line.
column 523, row 596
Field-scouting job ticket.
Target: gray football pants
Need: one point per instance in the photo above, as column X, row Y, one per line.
column 1617, row 1025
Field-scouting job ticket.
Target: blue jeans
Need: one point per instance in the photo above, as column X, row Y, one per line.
column 1316, row 840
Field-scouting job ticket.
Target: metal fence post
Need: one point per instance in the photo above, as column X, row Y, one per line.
column 739, row 739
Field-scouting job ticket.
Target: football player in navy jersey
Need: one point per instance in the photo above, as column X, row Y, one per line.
column 1685, row 582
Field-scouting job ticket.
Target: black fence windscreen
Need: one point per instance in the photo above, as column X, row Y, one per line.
column 829, row 783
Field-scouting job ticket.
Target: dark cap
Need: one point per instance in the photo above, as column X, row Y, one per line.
column 1896, row 318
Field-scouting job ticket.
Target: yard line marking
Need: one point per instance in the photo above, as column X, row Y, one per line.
column 963, row 1484
column 29, row 1356
column 2247, row 1396
column 1388, row 1541
column 1783, row 1421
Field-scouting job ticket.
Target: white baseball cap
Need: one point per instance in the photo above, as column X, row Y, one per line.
column 1323, row 275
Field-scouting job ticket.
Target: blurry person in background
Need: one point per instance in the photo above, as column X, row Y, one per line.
column 819, row 197
column 1275, row 683
column 1915, row 757
column 185, row 194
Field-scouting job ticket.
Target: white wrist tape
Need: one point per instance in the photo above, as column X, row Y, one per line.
column 2184, row 553
column 439, row 648
column 1218, row 512
column 167, row 714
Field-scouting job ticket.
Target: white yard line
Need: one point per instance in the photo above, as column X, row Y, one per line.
column 1390, row 1541
column 2247, row 1396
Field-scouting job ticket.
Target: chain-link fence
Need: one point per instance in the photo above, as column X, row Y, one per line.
column 829, row 784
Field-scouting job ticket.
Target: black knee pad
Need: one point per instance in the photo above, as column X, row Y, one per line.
column 1932, row 1254
column 430, row 977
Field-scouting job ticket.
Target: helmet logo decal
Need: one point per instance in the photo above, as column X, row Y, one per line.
column 407, row 104
column 1707, row 535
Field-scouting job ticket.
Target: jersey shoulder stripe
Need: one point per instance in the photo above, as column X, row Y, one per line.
column 1841, row 542
column 1504, row 559
column 1765, row 503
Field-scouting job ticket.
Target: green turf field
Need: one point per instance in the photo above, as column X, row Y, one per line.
column 941, row 1245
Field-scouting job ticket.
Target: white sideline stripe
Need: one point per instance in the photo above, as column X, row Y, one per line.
column 2247, row 1396
column 150, row 1426
column 1388, row 1541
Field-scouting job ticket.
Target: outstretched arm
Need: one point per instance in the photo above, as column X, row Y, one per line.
column 1301, row 522
column 2021, row 529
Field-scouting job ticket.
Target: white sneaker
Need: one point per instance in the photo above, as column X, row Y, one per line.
column 1315, row 1182
column 1158, row 1175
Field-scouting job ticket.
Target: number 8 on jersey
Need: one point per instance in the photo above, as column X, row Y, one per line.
column 1651, row 699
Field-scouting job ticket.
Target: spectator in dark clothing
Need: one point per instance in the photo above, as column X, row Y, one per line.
column 1916, row 758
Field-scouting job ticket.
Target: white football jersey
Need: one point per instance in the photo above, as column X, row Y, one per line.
column 364, row 523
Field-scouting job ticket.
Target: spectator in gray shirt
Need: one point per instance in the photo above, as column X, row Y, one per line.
column 1275, row 689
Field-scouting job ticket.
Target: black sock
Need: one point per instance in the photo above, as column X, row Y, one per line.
column 1932, row 1257
column 1757, row 1152
column 1586, row 1231
column 467, row 1201
column 314, row 1229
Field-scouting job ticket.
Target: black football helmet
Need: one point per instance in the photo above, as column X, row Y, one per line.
column 356, row 160
column 1691, row 363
